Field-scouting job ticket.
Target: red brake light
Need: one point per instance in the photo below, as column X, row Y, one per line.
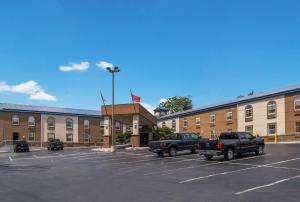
column 219, row 145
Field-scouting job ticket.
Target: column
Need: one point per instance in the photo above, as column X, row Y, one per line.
column 135, row 137
column 107, row 132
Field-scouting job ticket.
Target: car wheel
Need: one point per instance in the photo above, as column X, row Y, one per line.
column 208, row 157
column 229, row 155
column 259, row 150
column 172, row 151
column 193, row 151
column 160, row 154
column 62, row 148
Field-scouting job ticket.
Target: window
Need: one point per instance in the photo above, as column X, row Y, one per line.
column 69, row 123
column 271, row 128
column 248, row 136
column 31, row 136
column 249, row 129
column 86, row 124
column 102, row 125
column 69, row 137
column 194, row 137
column 213, row 134
column 229, row 115
column 51, row 122
column 163, row 124
column 212, row 118
column 15, row 120
column 31, row 121
column 298, row 127
column 86, row 138
column 297, row 103
column 271, row 108
column 185, row 123
column 248, row 112
column 198, row 120
column 173, row 124
column 51, row 136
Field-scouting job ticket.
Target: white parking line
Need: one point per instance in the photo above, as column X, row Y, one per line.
column 10, row 158
column 267, row 185
column 239, row 170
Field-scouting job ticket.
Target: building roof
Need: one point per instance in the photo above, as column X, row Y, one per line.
column 242, row 100
column 48, row 110
column 160, row 109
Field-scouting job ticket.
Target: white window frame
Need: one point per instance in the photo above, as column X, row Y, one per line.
column 49, row 135
column 248, row 108
column 86, row 124
column 275, row 130
column 212, row 118
column 297, row 104
column 163, row 124
column 174, row 124
column 185, row 123
column 198, row 121
column 271, row 103
column 71, row 137
column 31, row 122
column 51, row 126
column 13, row 122
column 229, row 115
column 297, row 122
column 249, row 126
column 213, row 134
column 29, row 134
column 88, row 139
column 69, row 119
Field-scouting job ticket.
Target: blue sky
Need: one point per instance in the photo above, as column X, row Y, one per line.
column 211, row 50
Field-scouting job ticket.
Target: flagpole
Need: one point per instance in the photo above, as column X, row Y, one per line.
column 132, row 100
column 103, row 102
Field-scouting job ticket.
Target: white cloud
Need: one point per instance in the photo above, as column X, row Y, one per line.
column 83, row 66
column 104, row 65
column 31, row 88
column 149, row 107
column 162, row 100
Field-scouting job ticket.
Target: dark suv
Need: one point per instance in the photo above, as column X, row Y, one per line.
column 55, row 144
column 21, row 146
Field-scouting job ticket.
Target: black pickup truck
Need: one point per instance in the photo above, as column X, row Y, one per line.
column 230, row 144
column 176, row 142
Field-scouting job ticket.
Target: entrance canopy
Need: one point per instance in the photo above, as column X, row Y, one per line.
column 134, row 116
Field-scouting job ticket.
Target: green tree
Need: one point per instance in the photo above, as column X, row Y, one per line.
column 162, row 133
column 177, row 104
column 123, row 138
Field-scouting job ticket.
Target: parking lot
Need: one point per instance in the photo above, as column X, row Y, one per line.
column 84, row 175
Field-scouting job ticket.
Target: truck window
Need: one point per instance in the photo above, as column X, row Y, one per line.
column 228, row 136
column 174, row 136
column 242, row 136
column 194, row 137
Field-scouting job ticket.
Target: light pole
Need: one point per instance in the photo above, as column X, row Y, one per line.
column 113, row 70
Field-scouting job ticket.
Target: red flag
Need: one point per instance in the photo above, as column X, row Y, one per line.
column 135, row 98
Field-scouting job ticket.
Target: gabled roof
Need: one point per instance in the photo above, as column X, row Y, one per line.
column 48, row 110
column 246, row 99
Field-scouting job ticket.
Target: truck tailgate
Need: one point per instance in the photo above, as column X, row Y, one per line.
column 208, row 145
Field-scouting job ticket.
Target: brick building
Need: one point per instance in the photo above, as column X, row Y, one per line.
column 264, row 114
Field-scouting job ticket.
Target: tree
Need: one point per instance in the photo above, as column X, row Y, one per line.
column 162, row 133
column 250, row 93
column 177, row 104
column 123, row 138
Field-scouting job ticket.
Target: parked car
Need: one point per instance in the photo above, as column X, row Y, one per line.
column 230, row 144
column 21, row 146
column 55, row 144
column 176, row 142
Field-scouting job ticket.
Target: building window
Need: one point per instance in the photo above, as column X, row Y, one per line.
column 271, row 128
column 185, row 123
column 297, row 103
column 298, row 127
column 198, row 121
column 51, row 122
column 86, row 124
column 51, row 136
column 249, row 129
column 15, row 120
column 102, row 125
column 229, row 115
column 174, row 124
column 163, row 124
column 213, row 134
column 31, row 136
column 271, row 108
column 69, row 137
column 212, row 118
column 31, row 121
column 249, row 112
column 69, row 123
column 86, row 138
